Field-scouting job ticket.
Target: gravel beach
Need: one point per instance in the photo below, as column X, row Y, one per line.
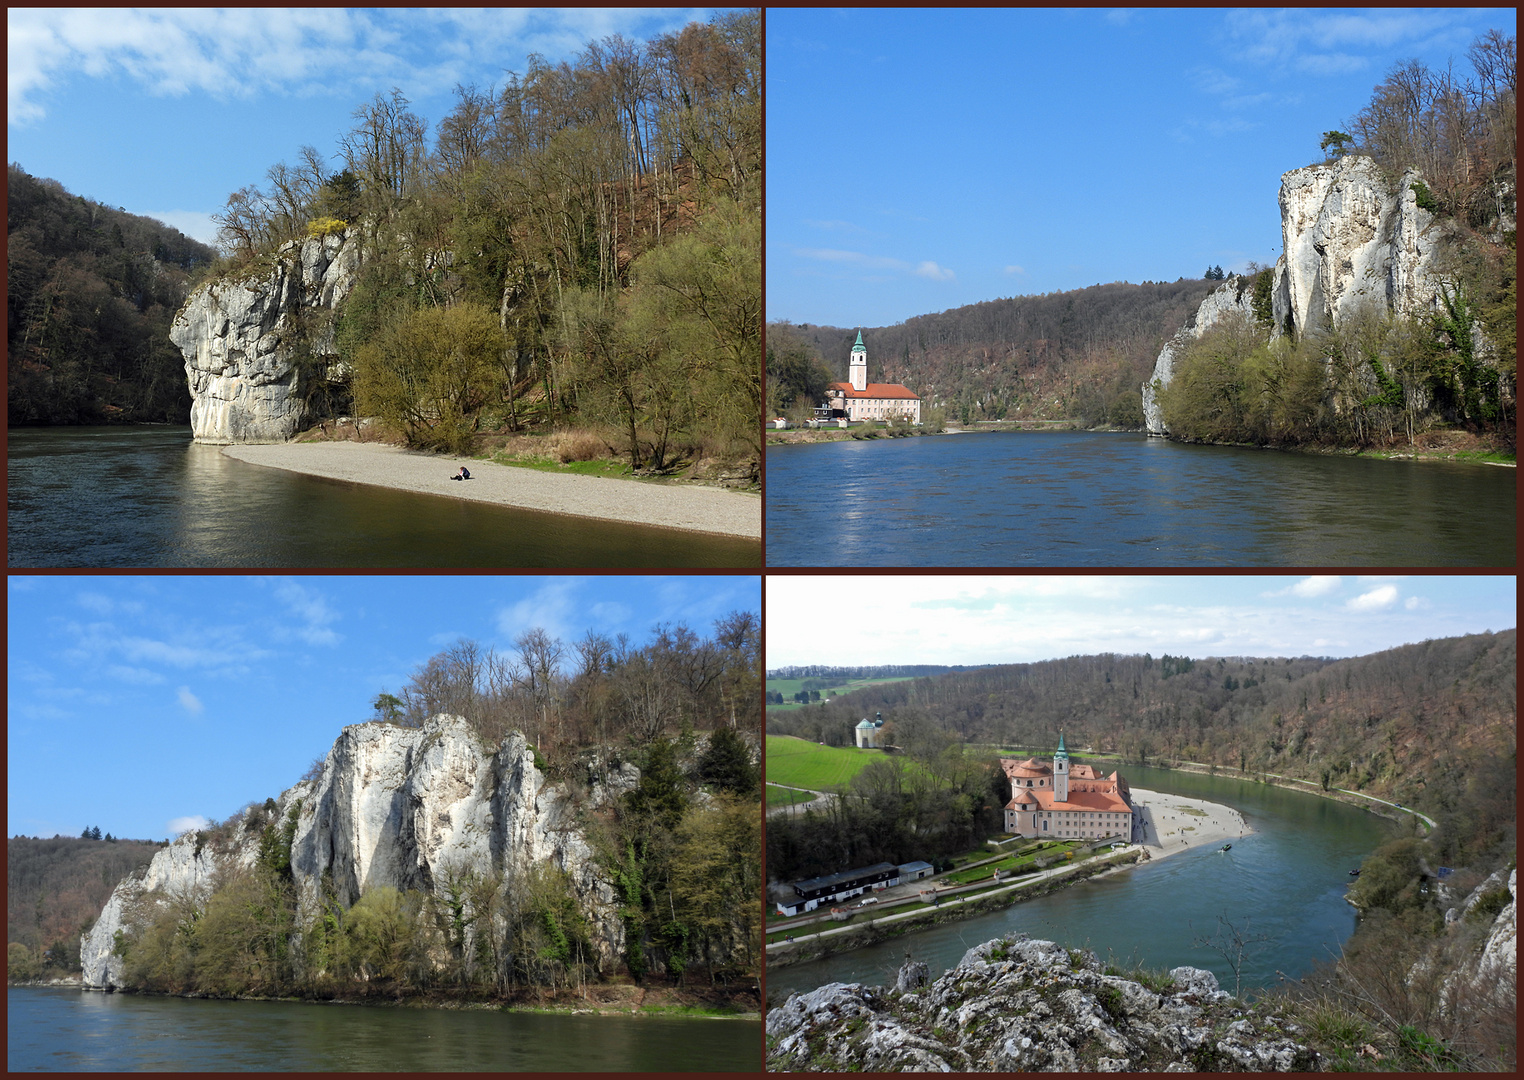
column 1173, row 823
column 696, row 509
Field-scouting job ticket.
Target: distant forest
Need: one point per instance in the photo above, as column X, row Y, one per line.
column 90, row 292
column 1080, row 355
column 1413, row 723
column 54, row 890
column 878, row 671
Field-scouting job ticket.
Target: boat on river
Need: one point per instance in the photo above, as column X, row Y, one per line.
column 1226, row 847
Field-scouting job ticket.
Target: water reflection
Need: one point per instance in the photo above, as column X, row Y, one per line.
column 1099, row 499
column 147, row 496
column 67, row 1030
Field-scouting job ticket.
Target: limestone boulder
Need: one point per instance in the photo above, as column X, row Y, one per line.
column 1017, row 1004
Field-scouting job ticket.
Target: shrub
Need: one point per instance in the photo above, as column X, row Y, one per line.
column 1425, row 197
column 579, row 446
column 326, row 226
column 1488, row 905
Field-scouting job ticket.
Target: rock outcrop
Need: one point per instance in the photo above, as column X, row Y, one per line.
column 1018, row 1005
column 408, row 808
column 1234, row 297
column 256, row 348
column 1351, row 242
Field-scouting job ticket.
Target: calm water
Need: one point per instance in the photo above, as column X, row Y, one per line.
column 1106, row 499
column 1286, row 880
column 148, row 496
column 58, row 1030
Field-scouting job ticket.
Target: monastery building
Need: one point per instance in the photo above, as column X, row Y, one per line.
column 1057, row 801
column 861, row 400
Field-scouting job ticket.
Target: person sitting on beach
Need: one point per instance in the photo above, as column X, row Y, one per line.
column 464, row 474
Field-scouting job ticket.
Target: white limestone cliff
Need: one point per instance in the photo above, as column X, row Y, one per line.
column 398, row 807
column 255, row 346
column 1351, row 242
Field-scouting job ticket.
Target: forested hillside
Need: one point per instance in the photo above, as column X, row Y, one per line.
column 1416, row 723
column 53, row 890
column 587, row 240
column 1080, row 355
column 90, row 292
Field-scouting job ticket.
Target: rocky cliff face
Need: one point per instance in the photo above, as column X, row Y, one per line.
column 399, row 807
column 1018, row 1005
column 256, row 348
column 1351, row 242
column 1234, row 297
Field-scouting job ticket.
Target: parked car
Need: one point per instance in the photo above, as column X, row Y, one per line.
column 865, row 901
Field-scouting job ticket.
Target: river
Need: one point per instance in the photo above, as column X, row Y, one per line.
column 65, row 1030
column 1286, row 881
column 149, row 497
column 1118, row 499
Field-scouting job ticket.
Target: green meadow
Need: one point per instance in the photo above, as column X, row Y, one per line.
column 800, row 763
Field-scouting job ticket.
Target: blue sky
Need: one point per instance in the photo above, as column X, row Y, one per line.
column 1004, row 620
column 167, row 112
column 919, row 160
column 141, row 704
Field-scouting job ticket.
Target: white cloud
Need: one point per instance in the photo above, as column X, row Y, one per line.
column 1331, row 64
column 136, row 675
column 611, row 613
column 1214, row 81
column 1375, row 600
column 1120, row 16
column 299, row 51
column 309, row 606
column 931, row 270
column 1315, row 586
column 857, row 258
column 190, row 702
column 193, row 223
column 1014, row 269
column 180, row 825
column 1415, row 603
column 1279, row 37
column 553, row 607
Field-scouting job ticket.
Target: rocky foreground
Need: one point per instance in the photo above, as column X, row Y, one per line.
column 1019, row 1005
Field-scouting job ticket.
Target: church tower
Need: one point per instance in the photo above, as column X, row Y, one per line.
column 1061, row 772
column 858, row 367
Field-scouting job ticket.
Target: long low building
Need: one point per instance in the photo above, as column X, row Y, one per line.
column 829, row 888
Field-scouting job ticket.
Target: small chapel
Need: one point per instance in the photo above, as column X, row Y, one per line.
column 1059, row 801
column 858, row 399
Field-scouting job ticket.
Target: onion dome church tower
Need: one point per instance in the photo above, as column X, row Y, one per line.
column 1061, row 772
column 857, row 367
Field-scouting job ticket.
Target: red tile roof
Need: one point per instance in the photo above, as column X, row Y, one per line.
column 876, row 390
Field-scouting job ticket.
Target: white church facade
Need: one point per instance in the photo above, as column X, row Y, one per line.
column 858, row 399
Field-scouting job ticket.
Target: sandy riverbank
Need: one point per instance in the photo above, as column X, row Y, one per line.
column 695, row 509
column 1170, row 824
